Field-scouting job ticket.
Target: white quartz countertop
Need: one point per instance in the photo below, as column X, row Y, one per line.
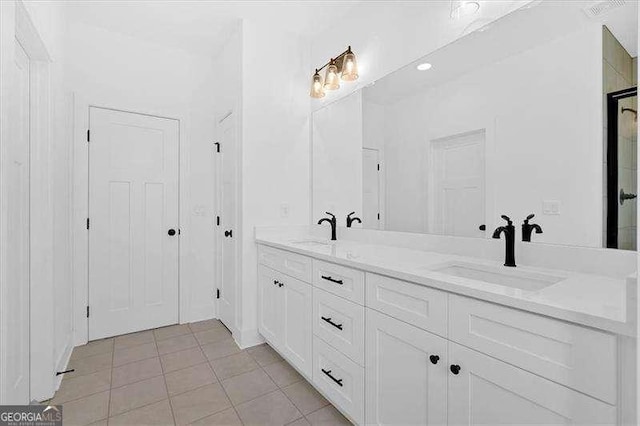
column 591, row 300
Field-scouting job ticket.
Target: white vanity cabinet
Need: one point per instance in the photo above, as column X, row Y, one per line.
column 285, row 308
column 387, row 351
column 406, row 373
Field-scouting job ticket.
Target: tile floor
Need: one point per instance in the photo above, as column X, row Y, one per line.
column 187, row 374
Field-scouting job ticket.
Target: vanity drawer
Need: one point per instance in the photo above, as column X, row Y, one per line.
column 292, row 264
column 340, row 379
column 336, row 279
column 340, row 323
column 580, row 358
column 416, row 304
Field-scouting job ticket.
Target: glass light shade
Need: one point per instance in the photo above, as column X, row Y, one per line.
column 460, row 8
column 316, row 86
column 349, row 66
column 331, row 78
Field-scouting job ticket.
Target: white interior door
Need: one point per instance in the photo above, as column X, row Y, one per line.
column 133, row 209
column 226, row 230
column 456, row 191
column 370, row 189
column 15, row 298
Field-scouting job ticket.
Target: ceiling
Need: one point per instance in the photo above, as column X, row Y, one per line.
column 201, row 27
column 520, row 30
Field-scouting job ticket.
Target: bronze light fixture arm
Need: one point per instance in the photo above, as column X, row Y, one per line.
column 337, row 61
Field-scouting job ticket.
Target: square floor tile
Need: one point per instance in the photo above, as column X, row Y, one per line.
column 248, row 386
column 305, row 397
column 189, row 378
column 205, row 325
column 233, row 365
column 282, row 373
column 264, row 355
column 271, row 409
column 86, row 410
column 178, row 360
column 90, row 364
column 212, row 335
column 220, row 349
column 124, row 356
column 137, row 394
column 134, row 339
column 327, row 416
column 228, row 417
column 176, row 344
column 158, row 413
column 171, row 331
column 81, row 386
column 135, row 372
column 92, row 348
column 199, row 403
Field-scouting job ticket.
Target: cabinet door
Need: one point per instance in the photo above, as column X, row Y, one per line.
column 297, row 336
column 269, row 304
column 405, row 382
column 487, row 391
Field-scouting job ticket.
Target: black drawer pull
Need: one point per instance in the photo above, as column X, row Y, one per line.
column 338, row 326
column 324, row 277
column 434, row 359
column 455, row 369
column 276, row 282
column 328, row 373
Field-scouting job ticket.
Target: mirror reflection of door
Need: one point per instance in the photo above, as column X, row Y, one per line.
column 370, row 188
column 456, row 190
column 621, row 144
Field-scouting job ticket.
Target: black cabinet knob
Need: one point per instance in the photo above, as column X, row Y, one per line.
column 228, row 233
column 455, row 369
column 434, row 359
column 172, row 232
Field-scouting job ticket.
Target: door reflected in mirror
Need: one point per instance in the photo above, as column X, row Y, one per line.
column 535, row 114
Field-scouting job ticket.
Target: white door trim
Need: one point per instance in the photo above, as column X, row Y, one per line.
column 80, row 194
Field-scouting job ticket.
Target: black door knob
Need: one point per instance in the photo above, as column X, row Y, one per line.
column 434, row 359
column 455, row 369
column 172, row 232
column 228, row 233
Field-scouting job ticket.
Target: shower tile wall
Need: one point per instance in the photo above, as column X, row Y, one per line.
column 620, row 72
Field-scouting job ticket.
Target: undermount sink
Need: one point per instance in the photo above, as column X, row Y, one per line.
column 507, row 277
column 311, row 243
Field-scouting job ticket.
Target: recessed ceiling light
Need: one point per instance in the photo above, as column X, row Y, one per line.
column 423, row 67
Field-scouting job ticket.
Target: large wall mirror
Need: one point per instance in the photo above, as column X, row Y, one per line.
column 535, row 113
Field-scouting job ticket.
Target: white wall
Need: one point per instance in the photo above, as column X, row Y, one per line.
column 275, row 147
column 118, row 71
column 543, row 139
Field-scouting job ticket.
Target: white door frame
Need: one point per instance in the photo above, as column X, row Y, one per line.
column 80, row 196
column 18, row 26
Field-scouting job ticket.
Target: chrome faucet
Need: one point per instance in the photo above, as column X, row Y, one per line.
column 332, row 221
column 350, row 219
column 527, row 228
column 510, row 241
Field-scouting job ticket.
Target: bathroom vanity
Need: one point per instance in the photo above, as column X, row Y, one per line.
column 393, row 335
column 490, row 276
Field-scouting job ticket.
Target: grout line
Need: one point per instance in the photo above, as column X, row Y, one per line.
column 164, row 379
column 111, row 383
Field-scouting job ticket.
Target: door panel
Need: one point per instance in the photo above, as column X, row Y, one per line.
column 403, row 385
column 488, row 391
column 297, row 332
column 227, row 199
column 270, row 308
column 133, row 202
column 15, row 309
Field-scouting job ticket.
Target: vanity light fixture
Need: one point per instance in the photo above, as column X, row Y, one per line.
column 342, row 67
column 460, row 8
column 424, row 66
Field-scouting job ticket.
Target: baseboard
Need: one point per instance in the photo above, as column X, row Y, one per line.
column 247, row 338
column 61, row 365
